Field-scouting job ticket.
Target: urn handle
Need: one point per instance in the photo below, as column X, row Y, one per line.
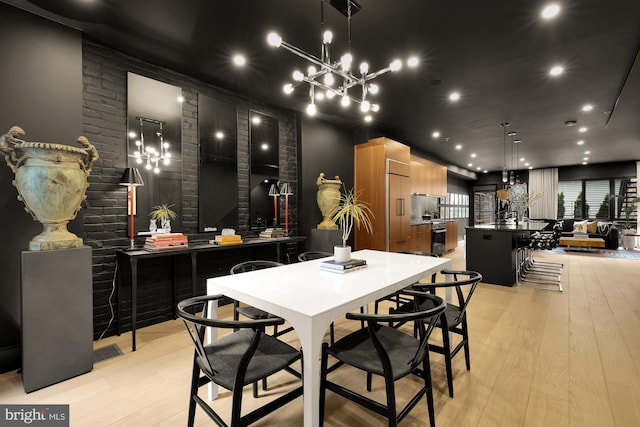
column 7, row 143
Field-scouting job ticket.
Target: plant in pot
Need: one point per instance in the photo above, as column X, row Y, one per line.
column 629, row 241
column 165, row 214
column 350, row 211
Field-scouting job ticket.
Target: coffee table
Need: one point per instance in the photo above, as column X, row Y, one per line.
column 581, row 242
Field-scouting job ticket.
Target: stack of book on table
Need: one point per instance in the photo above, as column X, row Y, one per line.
column 233, row 239
column 343, row 267
column 161, row 242
column 272, row 232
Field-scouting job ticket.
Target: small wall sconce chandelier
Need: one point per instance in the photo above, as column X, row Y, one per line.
column 328, row 79
column 148, row 153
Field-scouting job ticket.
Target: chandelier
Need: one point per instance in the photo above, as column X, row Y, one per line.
column 147, row 152
column 329, row 79
column 505, row 173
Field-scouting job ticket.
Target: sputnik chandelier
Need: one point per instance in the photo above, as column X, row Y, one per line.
column 148, row 154
column 327, row 79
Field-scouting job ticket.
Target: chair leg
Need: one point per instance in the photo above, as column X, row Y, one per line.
column 195, row 379
column 465, row 337
column 392, row 414
column 426, row 368
column 332, row 336
column 255, row 390
column 446, row 346
column 369, row 378
column 323, row 380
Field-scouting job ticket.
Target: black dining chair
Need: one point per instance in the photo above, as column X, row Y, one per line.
column 388, row 352
column 242, row 357
column 454, row 318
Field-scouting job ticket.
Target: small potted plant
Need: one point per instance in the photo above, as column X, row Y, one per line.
column 165, row 214
column 350, row 212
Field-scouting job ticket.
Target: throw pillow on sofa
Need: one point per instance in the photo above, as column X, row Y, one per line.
column 592, row 227
column 580, row 226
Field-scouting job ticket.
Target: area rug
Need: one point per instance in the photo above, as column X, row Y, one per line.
column 106, row 353
column 607, row 253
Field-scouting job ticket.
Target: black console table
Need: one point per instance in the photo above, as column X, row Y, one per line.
column 192, row 253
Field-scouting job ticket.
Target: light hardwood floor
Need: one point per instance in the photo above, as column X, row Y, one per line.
column 538, row 358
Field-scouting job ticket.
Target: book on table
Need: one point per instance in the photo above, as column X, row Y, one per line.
column 342, row 271
column 341, row 266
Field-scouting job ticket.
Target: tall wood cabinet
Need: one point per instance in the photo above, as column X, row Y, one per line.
column 451, row 239
column 382, row 180
column 420, row 238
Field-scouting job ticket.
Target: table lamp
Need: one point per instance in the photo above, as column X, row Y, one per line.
column 286, row 191
column 132, row 179
column 274, row 192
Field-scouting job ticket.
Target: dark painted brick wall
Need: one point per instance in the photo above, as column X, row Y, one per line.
column 104, row 77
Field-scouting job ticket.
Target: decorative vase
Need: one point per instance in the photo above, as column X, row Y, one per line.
column 51, row 180
column 153, row 227
column 166, row 225
column 628, row 239
column 328, row 198
column 342, row 253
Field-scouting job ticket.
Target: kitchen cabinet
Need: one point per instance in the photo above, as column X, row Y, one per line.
column 451, row 239
column 427, row 177
column 420, row 238
column 381, row 169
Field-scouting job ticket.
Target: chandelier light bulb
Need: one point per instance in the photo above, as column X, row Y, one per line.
column 312, row 70
column 364, row 68
column 148, row 166
column 156, row 170
column 375, row 108
column 274, row 39
column 288, row 88
column 327, row 37
column 368, row 118
column 167, row 155
column 374, row 88
column 132, row 134
column 298, row 76
column 395, row 65
column 166, row 145
column 345, row 101
column 330, row 94
column 311, row 109
column 505, row 175
column 345, row 61
column 166, row 161
column 365, row 106
column 412, row 62
column 138, row 160
column 328, row 79
column 511, row 178
column 138, row 142
column 320, row 96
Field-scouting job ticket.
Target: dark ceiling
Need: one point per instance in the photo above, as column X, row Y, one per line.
column 496, row 53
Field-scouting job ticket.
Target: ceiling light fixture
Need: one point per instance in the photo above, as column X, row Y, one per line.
column 336, row 78
column 556, row 71
column 550, row 11
column 435, row 134
column 239, row 60
column 505, row 173
column 583, row 129
column 459, row 147
column 148, row 153
column 587, row 107
column 511, row 174
column 581, row 142
column 454, row 96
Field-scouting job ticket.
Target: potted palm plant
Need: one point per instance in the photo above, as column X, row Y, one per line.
column 165, row 214
column 628, row 240
column 349, row 212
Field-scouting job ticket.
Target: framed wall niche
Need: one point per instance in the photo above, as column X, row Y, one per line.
column 154, row 114
column 265, row 169
column 218, row 175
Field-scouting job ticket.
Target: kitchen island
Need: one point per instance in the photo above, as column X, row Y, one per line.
column 491, row 249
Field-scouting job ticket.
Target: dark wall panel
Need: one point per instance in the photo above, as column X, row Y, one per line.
column 41, row 86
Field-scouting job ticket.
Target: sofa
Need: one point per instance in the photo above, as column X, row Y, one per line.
column 593, row 228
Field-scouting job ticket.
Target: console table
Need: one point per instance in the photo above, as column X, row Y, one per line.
column 582, row 242
column 134, row 256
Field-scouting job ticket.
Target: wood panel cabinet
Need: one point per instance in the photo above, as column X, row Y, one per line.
column 428, row 177
column 381, row 179
column 451, row 239
column 420, row 238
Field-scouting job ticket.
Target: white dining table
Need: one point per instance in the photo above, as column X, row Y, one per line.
column 310, row 299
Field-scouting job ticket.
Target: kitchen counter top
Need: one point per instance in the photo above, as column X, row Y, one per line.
column 521, row 226
column 429, row 221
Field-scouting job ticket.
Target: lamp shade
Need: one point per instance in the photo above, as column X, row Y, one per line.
column 285, row 189
column 273, row 190
column 131, row 176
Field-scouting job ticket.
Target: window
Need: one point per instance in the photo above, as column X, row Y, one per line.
column 454, row 206
column 595, row 199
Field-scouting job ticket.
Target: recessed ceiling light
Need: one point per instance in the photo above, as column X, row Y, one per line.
column 517, row 141
column 556, row 70
column 470, row 164
column 587, row 107
column 581, row 142
column 584, row 163
column 550, row 11
column 570, row 123
column 265, row 146
column 239, row 60
column 473, row 155
column 522, row 159
column 526, row 164
column 587, row 152
column 478, row 168
column 181, row 99
column 454, row 96
column 132, row 134
column 412, row 61
column 435, row 134
column 585, row 158
column 256, row 120
column 368, row 118
column 583, row 129
column 485, row 171
column 530, row 167
column 219, row 135
column 459, row 147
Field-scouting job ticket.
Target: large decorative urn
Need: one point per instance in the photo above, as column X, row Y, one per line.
column 328, row 200
column 51, row 180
